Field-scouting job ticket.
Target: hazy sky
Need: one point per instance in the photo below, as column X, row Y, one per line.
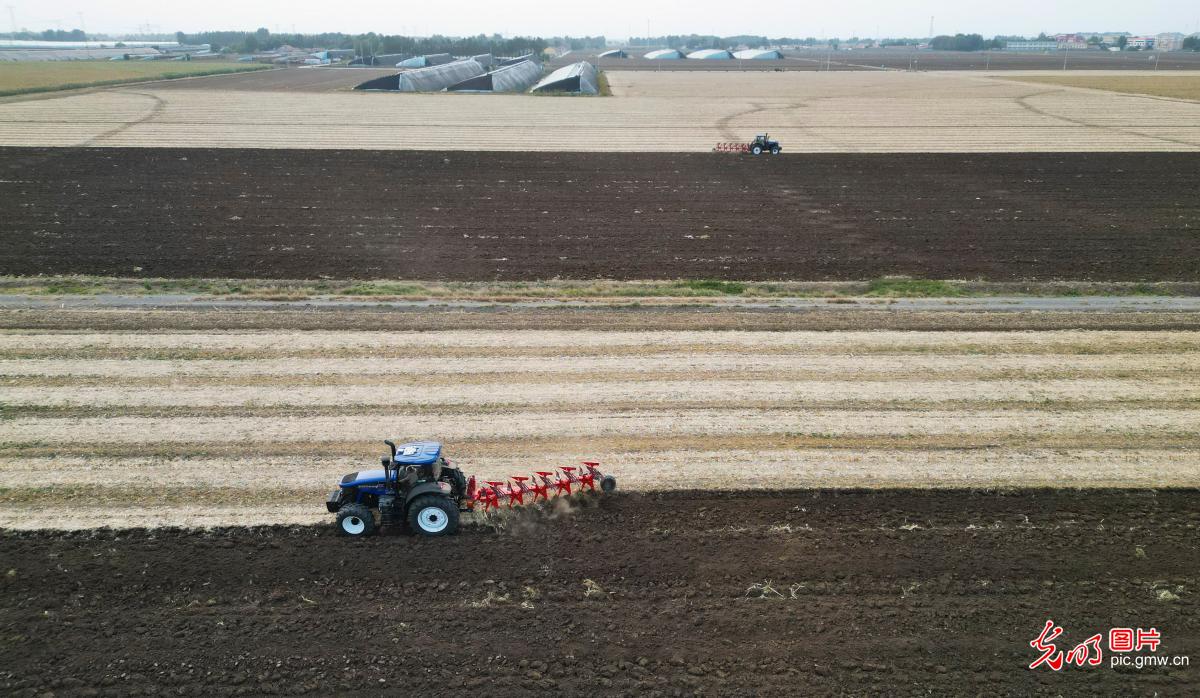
column 614, row 18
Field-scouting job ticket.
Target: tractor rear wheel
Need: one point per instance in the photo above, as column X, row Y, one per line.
column 756, row 149
column 433, row 515
column 355, row 520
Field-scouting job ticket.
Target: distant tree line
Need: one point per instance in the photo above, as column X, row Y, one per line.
column 1192, row 43
column 372, row 43
column 48, row 35
column 964, row 42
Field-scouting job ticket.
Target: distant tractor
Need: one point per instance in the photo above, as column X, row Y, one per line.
column 762, row 142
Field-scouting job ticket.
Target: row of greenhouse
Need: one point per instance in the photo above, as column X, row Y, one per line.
column 485, row 74
column 708, row 54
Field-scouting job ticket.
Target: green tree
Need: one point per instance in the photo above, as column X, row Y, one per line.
column 959, row 42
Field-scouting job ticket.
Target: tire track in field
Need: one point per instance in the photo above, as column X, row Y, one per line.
column 1024, row 103
column 159, row 105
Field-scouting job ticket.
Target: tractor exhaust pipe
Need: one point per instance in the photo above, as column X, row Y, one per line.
column 392, row 446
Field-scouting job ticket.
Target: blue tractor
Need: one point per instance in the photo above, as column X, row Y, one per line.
column 763, row 142
column 416, row 485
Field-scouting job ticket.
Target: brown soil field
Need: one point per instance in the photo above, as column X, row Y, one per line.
column 840, row 112
column 496, row 216
column 1173, row 86
column 284, row 80
column 813, row 592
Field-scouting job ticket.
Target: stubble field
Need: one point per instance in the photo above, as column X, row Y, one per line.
column 188, row 427
column 1172, row 86
column 841, row 112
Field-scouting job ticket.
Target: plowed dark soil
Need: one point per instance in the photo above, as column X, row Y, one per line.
column 882, row 593
column 526, row 216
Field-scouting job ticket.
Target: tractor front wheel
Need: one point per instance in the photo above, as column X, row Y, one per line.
column 432, row 515
column 355, row 520
column 775, row 150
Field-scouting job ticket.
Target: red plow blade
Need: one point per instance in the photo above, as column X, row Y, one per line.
column 520, row 490
column 731, row 148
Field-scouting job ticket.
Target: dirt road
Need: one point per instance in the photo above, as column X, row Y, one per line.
column 790, row 592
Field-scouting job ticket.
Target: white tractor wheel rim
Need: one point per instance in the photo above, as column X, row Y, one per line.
column 432, row 519
column 353, row 525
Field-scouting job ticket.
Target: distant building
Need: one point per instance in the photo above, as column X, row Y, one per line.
column 1072, row 42
column 425, row 61
column 1170, row 41
column 1140, row 42
column 515, row 77
column 432, row 79
column 710, row 54
column 579, row 78
column 758, row 54
column 1031, row 46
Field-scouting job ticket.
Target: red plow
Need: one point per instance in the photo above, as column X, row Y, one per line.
column 520, row 490
column 732, row 148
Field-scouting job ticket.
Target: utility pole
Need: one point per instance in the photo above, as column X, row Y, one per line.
column 930, row 26
column 82, row 28
column 12, row 17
